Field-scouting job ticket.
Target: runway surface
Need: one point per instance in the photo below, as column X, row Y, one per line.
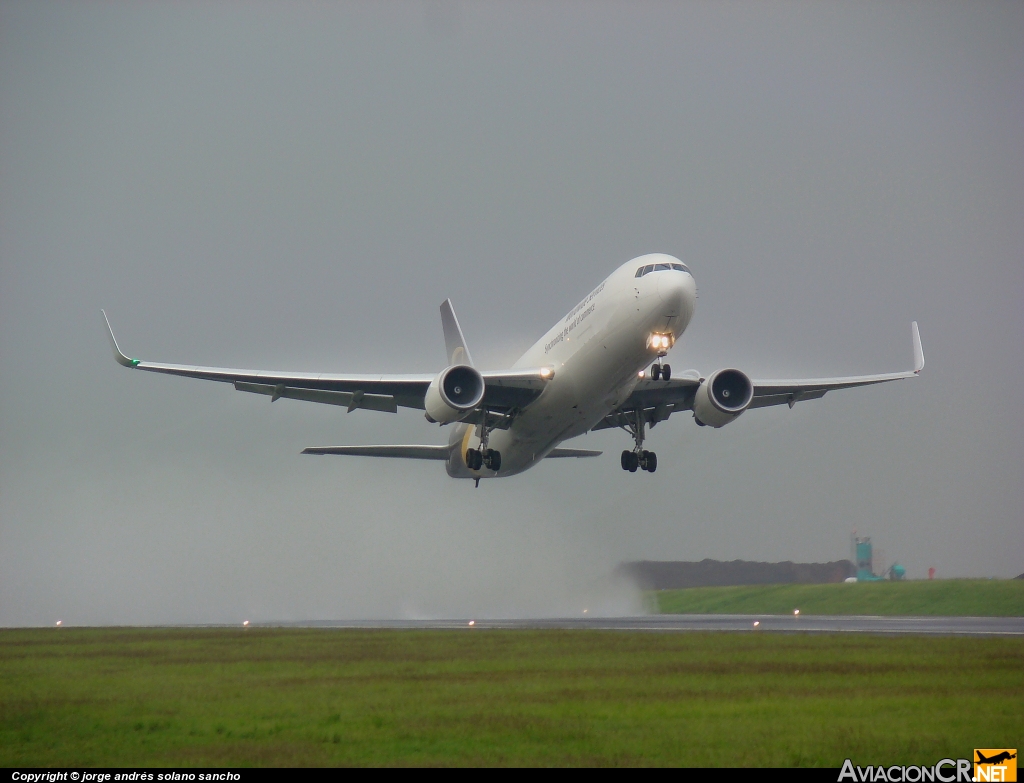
column 941, row 626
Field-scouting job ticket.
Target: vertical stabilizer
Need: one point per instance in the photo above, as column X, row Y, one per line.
column 454, row 342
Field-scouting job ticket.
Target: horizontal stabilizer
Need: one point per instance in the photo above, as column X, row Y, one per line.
column 573, row 453
column 395, row 452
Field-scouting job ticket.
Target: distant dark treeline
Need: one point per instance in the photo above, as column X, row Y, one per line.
column 673, row 575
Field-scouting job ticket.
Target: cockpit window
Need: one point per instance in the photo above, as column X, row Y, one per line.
column 661, row 268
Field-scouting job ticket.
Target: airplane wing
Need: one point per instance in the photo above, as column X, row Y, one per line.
column 660, row 399
column 504, row 390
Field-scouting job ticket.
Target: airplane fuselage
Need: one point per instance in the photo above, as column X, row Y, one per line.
column 598, row 352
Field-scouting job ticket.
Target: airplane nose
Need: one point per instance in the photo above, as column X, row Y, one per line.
column 678, row 291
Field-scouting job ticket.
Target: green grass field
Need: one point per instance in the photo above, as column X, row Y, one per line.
column 959, row 597
column 398, row 697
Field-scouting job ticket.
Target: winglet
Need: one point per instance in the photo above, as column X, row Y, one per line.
column 918, row 350
column 454, row 342
column 118, row 356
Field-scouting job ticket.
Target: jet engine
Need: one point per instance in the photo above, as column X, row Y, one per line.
column 720, row 398
column 455, row 391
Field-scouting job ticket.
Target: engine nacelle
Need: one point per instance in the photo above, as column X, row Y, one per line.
column 455, row 391
column 721, row 397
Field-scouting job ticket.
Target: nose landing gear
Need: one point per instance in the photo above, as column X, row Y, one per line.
column 661, row 372
column 660, row 343
column 638, row 458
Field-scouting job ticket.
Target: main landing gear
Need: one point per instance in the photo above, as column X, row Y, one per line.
column 487, row 458
column 633, row 461
column 483, row 456
column 638, row 458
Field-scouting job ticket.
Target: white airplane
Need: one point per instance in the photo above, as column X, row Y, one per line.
column 588, row 372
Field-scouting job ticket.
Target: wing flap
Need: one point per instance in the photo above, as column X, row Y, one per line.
column 766, row 400
column 533, row 378
column 657, row 399
column 511, row 389
column 351, row 400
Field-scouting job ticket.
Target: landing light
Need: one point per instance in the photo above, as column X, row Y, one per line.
column 545, row 372
column 472, row 622
column 245, row 623
column 59, row 622
column 660, row 342
column 796, row 612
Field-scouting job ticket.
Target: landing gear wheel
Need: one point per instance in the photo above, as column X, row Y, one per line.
column 474, row 459
column 666, row 372
column 651, row 462
column 655, row 372
column 492, row 460
column 630, row 461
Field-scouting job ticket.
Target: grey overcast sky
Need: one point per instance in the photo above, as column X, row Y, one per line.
column 299, row 185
